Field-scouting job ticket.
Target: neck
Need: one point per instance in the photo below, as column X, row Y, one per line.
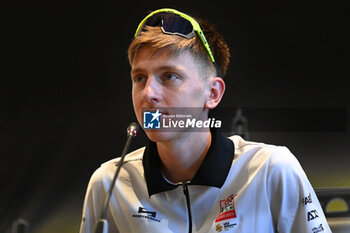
column 181, row 158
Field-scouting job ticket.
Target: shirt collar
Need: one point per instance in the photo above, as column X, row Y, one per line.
column 212, row 172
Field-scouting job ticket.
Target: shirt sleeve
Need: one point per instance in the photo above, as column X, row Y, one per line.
column 294, row 204
column 94, row 199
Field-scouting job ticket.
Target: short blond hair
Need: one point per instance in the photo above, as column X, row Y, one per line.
column 154, row 38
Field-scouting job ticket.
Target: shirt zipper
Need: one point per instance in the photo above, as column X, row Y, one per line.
column 188, row 203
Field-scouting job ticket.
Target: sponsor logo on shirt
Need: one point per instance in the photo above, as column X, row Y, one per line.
column 226, row 226
column 311, row 215
column 306, row 200
column 318, row 229
column 227, row 209
column 218, row 228
column 143, row 213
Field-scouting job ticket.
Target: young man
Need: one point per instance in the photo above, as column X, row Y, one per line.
column 189, row 180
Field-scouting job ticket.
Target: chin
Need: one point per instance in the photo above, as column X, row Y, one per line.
column 160, row 136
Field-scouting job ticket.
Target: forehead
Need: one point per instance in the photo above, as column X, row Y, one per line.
column 146, row 57
column 147, row 52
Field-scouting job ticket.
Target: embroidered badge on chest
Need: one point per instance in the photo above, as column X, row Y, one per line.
column 227, row 209
column 227, row 220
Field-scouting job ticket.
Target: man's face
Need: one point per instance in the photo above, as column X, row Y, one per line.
column 162, row 80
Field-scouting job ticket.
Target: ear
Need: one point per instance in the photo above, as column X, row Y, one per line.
column 217, row 89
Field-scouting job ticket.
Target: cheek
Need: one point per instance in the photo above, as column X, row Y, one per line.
column 135, row 94
column 198, row 94
column 133, row 98
column 136, row 104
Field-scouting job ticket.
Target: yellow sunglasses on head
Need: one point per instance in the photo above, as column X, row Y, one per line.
column 174, row 22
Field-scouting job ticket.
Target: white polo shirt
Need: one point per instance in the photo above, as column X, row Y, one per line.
column 241, row 187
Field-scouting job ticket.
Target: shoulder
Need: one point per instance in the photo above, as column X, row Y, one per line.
column 276, row 164
column 134, row 156
column 107, row 169
column 270, row 156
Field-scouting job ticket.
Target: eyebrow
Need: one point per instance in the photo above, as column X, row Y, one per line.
column 137, row 70
column 161, row 68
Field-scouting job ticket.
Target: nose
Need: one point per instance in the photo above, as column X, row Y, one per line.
column 152, row 91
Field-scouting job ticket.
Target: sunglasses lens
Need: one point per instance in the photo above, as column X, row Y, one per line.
column 171, row 23
column 155, row 20
column 177, row 24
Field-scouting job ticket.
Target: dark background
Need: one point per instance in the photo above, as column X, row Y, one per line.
column 65, row 98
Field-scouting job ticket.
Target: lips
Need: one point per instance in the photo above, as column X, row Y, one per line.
column 163, row 111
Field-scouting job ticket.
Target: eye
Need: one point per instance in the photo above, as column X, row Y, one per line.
column 138, row 78
column 169, row 77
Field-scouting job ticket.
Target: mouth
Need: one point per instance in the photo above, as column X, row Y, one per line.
column 162, row 111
